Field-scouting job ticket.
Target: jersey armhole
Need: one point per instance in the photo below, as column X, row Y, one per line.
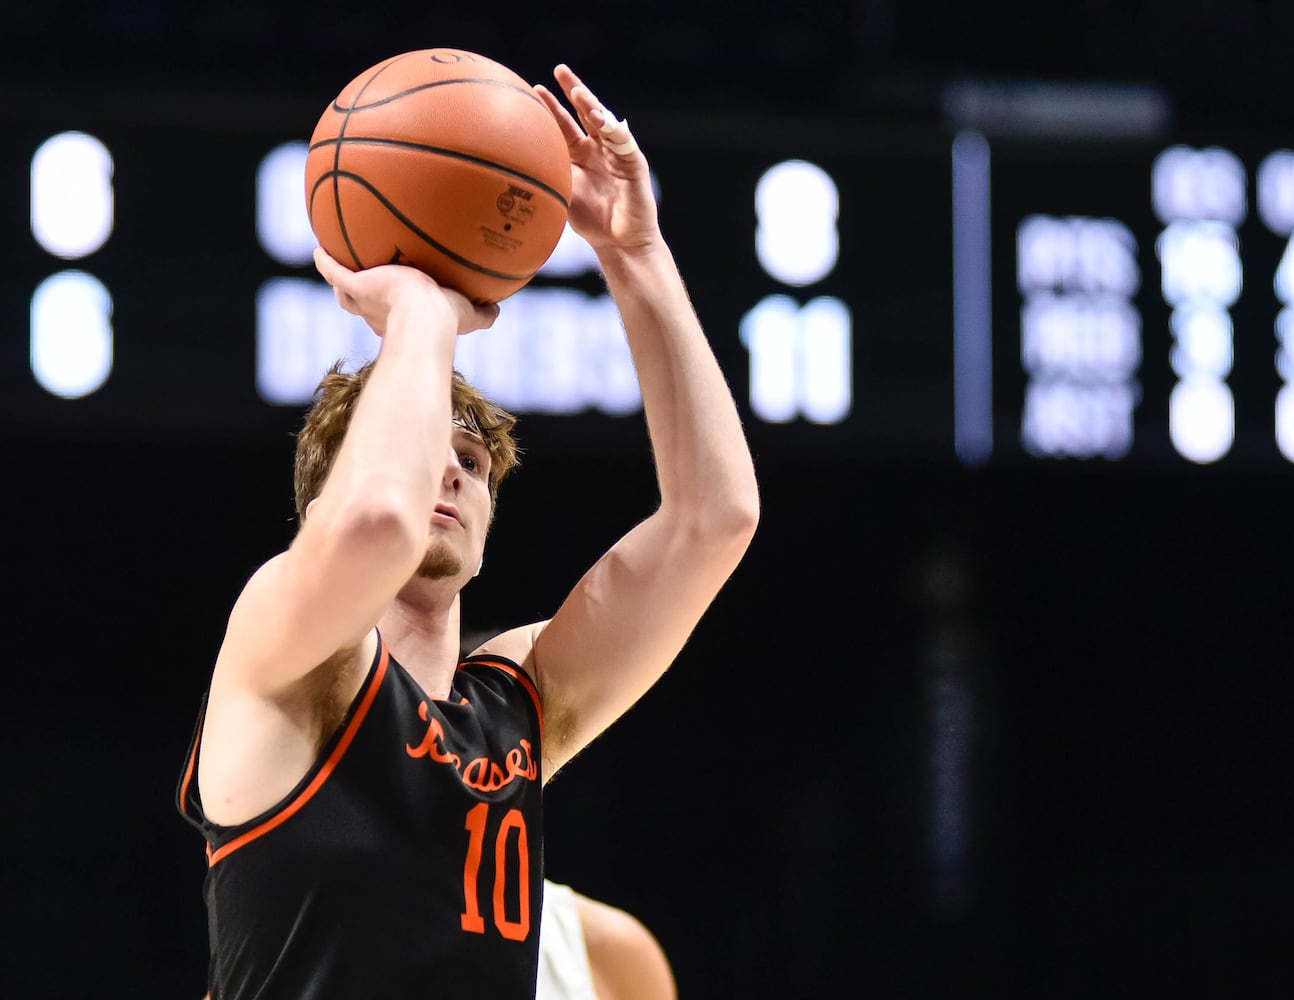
column 513, row 669
column 315, row 778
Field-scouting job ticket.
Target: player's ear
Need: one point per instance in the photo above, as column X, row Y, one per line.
column 309, row 506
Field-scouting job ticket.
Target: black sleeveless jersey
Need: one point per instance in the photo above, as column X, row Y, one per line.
column 408, row 862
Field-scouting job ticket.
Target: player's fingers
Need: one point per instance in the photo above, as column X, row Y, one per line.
column 571, row 130
column 614, row 131
column 324, row 264
column 329, row 268
column 486, row 315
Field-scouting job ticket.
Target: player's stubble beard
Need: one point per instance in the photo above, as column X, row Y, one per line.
column 439, row 562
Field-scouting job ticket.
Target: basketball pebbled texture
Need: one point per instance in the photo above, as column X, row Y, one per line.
column 443, row 159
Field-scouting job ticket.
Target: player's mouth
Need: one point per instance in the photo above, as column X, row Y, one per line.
column 446, row 510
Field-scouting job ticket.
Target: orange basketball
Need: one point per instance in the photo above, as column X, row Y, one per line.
column 445, row 160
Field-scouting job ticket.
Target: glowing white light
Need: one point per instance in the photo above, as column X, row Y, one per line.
column 552, row 350
column 1201, row 261
column 1196, row 184
column 770, row 333
column 71, row 334
column 797, row 206
column 1283, row 279
column 1201, row 196
column 800, row 359
column 300, row 332
column 1285, row 368
column 1080, row 335
column 71, row 195
column 1066, row 418
column 1201, row 419
column 282, row 223
column 1204, row 341
column 1285, row 421
column 1076, row 254
column 826, row 361
column 1285, row 340
column 1083, row 336
column 1276, row 192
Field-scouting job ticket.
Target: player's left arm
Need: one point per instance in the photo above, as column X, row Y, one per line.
column 630, row 615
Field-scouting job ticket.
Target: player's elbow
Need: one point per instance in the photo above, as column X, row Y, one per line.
column 382, row 522
column 721, row 525
column 733, row 515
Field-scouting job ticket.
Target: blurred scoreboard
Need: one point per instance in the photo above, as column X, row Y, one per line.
column 918, row 294
column 1142, row 300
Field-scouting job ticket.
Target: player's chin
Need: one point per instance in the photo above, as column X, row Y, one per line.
column 439, row 563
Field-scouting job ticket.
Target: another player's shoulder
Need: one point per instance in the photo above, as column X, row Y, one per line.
column 627, row 960
column 610, row 925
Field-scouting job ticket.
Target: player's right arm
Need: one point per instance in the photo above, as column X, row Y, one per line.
column 367, row 530
column 318, row 601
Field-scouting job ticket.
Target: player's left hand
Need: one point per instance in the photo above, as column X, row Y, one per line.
column 613, row 205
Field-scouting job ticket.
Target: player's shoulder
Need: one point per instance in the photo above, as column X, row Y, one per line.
column 611, row 925
column 515, row 645
column 259, row 584
column 627, row 960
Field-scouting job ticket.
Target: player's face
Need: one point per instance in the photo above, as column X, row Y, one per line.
column 462, row 516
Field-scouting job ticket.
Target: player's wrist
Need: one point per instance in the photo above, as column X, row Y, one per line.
column 423, row 311
column 648, row 259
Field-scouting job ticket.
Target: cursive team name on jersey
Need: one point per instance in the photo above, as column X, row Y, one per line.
column 480, row 773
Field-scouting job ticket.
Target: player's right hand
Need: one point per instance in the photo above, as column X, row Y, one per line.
column 372, row 293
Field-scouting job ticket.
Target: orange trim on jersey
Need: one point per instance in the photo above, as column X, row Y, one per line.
column 520, row 675
column 324, row 772
column 193, row 766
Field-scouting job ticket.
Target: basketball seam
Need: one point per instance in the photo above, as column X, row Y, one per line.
column 337, row 172
column 457, row 258
column 341, row 140
column 377, row 103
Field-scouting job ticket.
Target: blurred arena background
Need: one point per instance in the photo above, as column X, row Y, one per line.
column 997, row 705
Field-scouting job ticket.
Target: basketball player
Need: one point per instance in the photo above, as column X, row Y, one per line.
column 372, row 807
column 589, row 950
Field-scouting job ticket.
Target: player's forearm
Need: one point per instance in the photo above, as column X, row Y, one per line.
column 697, row 439
column 399, row 435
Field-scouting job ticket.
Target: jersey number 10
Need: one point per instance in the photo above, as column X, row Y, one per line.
column 473, row 921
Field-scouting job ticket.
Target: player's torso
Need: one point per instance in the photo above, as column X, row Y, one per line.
column 408, row 857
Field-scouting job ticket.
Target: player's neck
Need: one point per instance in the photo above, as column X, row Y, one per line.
column 424, row 637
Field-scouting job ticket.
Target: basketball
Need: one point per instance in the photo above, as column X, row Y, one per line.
column 445, row 160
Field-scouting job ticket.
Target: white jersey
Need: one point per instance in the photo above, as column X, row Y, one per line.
column 564, row 972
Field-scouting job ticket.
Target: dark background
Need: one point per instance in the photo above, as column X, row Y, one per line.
column 1008, row 731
